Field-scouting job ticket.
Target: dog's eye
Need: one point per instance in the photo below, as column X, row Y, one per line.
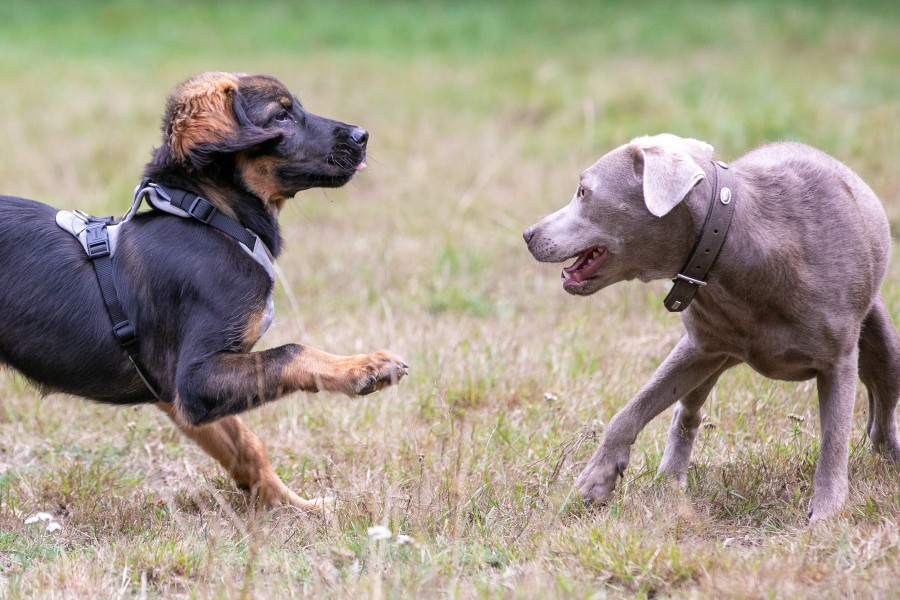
column 284, row 116
column 580, row 192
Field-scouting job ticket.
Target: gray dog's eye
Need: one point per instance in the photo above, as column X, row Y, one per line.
column 581, row 191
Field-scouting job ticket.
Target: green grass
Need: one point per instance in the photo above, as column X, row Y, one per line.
column 482, row 114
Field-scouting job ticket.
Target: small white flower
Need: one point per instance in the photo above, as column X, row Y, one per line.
column 403, row 539
column 379, row 532
column 41, row 516
column 53, row 526
column 550, row 397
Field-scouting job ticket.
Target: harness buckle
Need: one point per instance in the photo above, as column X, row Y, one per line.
column 125, row 333
column 97, row 240
column 201, row 210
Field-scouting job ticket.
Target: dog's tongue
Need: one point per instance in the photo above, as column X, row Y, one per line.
column 361, row 166
column 587, row 264
column 580, row 260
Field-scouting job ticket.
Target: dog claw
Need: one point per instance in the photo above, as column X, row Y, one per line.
column 369, row 387
column 384, row 370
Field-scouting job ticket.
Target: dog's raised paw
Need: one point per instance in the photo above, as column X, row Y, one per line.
column 377, row 371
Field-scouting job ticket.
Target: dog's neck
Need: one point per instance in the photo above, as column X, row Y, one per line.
column 231, row 199
column 710, row 240
column 697, row 204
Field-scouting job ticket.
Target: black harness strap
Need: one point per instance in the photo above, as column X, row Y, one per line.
column 709, row 244
column 98, row 250
column 201, row 209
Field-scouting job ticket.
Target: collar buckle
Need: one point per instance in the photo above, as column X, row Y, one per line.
column 690, row 280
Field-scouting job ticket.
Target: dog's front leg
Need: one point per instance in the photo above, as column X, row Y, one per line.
column 215, row 385
column 686, row 368
column 837, row 393
column 685, row 425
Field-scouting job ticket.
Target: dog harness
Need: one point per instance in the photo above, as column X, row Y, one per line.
column 99, row 236
column 708, row 245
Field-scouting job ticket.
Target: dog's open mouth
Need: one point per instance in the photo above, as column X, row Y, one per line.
column 586, row 265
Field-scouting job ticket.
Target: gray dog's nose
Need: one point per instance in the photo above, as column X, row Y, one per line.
column 529, row 233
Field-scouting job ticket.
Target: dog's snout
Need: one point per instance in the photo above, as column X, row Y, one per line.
column 528, row 234
column 359, row 135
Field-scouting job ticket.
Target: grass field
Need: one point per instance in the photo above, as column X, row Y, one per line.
column 481, row 116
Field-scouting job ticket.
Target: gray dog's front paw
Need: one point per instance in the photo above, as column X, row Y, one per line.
column 827, row 502
column 598, row 480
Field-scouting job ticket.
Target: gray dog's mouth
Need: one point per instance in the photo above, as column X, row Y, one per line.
column 586, row 265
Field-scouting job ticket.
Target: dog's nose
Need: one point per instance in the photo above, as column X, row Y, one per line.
column 359, row 135
column 529, row 233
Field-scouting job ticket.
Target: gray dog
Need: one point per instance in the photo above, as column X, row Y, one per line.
column 793, row 291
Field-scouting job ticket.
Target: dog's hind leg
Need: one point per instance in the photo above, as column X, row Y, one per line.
column 243, row 455
column 837, row 393
column 879, row 369
column 685, row 424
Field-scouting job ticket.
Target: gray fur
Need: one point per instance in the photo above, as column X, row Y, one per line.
column 794, row 294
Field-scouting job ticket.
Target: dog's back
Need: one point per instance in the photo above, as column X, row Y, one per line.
column 51, row 309
column 802, row 200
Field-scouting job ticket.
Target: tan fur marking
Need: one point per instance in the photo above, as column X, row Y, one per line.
column 243, row 455
column 314, row 370
column 251, row 331
column 257, row 174
column 202, row 112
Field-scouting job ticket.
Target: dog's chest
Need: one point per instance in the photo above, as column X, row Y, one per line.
column 776, row 348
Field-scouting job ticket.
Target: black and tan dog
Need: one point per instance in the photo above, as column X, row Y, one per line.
column 196, row 299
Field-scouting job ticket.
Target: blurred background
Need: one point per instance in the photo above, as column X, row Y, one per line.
column 446, row 87
column 481, row 115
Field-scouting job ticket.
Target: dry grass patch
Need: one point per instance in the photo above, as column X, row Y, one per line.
column 481, row 118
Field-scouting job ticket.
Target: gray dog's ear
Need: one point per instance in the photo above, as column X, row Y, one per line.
column 669, row 171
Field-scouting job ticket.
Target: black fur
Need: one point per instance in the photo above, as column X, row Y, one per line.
column 190, row 290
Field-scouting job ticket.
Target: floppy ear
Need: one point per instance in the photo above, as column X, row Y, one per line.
column 201, row 121
column 669, row 171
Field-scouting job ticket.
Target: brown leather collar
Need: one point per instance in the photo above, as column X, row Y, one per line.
column 712, row 237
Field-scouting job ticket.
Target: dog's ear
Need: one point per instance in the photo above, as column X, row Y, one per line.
column 202, row 121
column 669, row 171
